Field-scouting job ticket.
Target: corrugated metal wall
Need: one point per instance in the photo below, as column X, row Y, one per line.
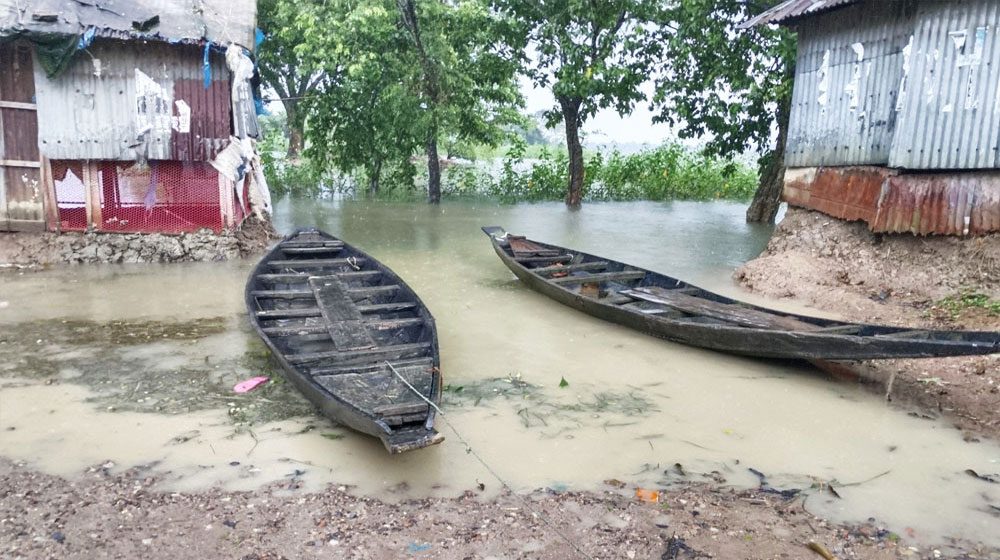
column 849, row 68
column 951, row 115
column 127, row 100
column 907, row 84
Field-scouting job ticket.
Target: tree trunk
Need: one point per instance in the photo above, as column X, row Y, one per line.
column 571, row 116
column 767, row 199
column 295, row 137
column 373, row 178
column 433, row 168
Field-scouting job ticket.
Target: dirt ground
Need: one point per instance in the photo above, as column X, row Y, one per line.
column 894, row 279
column 107, row 512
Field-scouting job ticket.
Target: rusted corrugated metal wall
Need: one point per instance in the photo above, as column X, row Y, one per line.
column 129, row 100
column 950, row 117
column 849, row 68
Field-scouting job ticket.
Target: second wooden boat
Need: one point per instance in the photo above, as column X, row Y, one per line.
column 662, row 306
column 351, row 336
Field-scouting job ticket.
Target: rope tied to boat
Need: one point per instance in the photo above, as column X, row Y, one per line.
column 471, row 451
column 353, row 261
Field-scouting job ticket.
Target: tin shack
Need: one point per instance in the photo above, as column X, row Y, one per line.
column 128, row 115
column 895, row 114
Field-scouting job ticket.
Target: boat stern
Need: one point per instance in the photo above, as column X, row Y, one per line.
column 401, row 441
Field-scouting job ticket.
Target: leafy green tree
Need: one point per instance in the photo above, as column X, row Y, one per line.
column 468, row 59
column 592, row 55
column 366, row 116
column 282, row 69
column 731, row 85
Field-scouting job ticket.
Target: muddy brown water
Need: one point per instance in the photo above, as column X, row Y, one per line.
column 134, row 365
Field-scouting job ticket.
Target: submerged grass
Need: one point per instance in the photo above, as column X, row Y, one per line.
column 153, row 366
column 544, row 408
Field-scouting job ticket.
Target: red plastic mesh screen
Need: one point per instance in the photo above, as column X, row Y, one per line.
column 71, row 197
column 158, row 197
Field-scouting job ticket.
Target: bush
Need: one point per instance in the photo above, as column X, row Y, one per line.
column 665, row 173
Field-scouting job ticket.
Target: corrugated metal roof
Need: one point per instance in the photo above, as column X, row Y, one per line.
column 793, row 9
column 219, row 21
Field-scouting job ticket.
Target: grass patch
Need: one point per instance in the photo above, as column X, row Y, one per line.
column 954, row 306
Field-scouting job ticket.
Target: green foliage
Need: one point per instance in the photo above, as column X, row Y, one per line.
column 731, row 81
column 956, row 305
column 284, row 176
column 591, row 55
column 666, row 173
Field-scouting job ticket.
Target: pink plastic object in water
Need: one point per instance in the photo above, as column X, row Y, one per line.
column 249, row 384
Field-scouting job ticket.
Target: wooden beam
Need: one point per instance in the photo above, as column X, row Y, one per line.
column 295, row 277
column 19, row 163
column 308, row 244
column 582, row 267
column 18, row 105
column 311, row 250
column 317, row 263
column 600, row 277
column 355, row 293
column 728, row 312
column 349, row 357
column 529, row 260
column 50, row 201
column 375, row 323
column 314, row 311
column 425, row 362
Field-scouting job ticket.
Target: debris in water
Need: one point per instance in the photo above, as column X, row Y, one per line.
column 677, row 548
column 563, row 382
column 987, row 478
column 614, row 482
column 414, row 547
column 249, row 384
column 821, row 550
column 333, row 436
column 647, row 495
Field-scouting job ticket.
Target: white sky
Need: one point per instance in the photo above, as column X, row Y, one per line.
column 606, row 127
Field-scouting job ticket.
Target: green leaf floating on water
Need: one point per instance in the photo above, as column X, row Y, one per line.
column 563, row 382
column 333, row 436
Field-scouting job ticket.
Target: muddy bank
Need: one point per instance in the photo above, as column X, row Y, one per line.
column 28, row 249
column 109, row 513
column 894, row 279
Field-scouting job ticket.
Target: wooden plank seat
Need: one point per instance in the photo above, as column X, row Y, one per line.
column 314, row 311
column 308, row 244
column 522, row 247
column 730, row 313
column 426, row 362
column 344, row 322
column 355, row 293
column 371, row 323
column 310, row 250
column 353, row 357
column 566, row 269
column 623, row 275
column 295, row 277
column 317, row 263
column 533, row 260
column 382, row 393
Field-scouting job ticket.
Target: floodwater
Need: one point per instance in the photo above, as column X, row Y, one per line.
column 133, row 365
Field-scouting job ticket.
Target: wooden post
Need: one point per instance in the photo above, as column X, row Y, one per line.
column 50, row 201
column 226, row 201
column 87, row 195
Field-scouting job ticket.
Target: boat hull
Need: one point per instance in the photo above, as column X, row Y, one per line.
column 872, row 342
column 348, row 364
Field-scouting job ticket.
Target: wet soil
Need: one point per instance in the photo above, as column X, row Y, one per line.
column 894, row 279
column 120, row 514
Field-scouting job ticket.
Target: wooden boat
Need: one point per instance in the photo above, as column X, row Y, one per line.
column 668, row 308
column 346, row 328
